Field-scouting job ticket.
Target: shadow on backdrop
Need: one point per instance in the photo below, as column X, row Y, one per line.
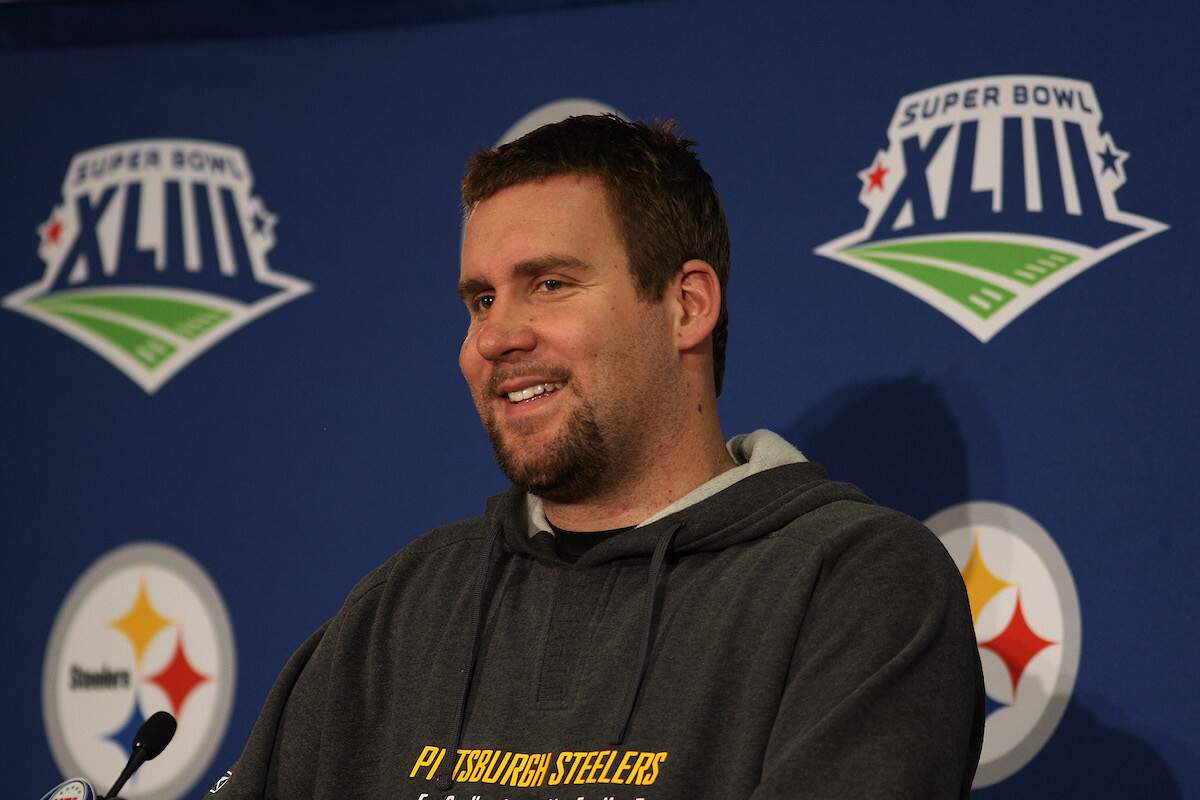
column 895, row 439
column 1109, row 761
column 903, row 442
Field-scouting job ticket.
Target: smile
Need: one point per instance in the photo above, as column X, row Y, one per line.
column 530, row 392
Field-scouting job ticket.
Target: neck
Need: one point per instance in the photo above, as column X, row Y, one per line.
column 664, row 468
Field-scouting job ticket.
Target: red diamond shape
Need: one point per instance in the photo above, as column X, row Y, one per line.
column 179, row 679
column 1016, row 645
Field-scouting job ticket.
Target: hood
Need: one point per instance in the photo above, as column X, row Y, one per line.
column 772, row 485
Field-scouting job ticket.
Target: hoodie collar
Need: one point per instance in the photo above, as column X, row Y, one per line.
column 754, row 452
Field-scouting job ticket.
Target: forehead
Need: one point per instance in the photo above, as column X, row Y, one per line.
column 565, row 215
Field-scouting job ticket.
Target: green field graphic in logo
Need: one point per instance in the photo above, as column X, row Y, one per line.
column 993, row 192
column 157, row 252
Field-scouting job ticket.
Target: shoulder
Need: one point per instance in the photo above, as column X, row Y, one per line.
column 439, row 547
column 853, row 528
column 880, row 584
column 877, row 552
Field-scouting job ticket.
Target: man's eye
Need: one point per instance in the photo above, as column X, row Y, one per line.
column 552, row 285
column 485, row 302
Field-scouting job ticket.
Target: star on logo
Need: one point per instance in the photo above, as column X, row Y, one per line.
column 982, row 583
column 141, row 623
column 875, row 176
column 262, row 222
column 179, row 678
column 123, row 736
column 51, row 231
column 1111, row 159
column 1016, row 645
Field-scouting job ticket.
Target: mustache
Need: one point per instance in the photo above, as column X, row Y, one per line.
column 548, row 371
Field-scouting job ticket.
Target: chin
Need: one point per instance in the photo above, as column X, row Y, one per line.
column 560, row 463
column 528, row 461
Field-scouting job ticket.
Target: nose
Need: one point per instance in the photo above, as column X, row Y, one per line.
column 504, row 334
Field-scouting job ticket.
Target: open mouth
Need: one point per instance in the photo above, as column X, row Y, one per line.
column 533, row 392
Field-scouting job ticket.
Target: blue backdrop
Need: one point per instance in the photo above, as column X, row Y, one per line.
column 299, row 445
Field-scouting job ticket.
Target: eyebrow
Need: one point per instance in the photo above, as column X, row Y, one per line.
column 530, row 268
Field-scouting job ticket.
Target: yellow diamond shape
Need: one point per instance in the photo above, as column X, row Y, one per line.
column 141, row 623
column 982, row 583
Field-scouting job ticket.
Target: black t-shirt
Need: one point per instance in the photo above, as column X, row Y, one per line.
column 571, row 545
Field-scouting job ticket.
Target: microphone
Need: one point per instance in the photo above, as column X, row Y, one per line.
column 71, row 789
column 151, row 739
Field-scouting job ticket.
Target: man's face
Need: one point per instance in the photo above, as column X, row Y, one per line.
column 567, row 366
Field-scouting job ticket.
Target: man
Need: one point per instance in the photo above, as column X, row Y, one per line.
column 648, row 613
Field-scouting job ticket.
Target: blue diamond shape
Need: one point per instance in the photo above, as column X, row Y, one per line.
column 123, row 737
column 990, row 705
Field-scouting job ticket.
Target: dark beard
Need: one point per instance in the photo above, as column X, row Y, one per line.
column 570, row 470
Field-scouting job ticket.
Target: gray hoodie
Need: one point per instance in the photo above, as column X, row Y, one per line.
column 772, row 635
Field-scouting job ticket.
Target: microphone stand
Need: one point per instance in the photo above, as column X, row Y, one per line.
column 136, row 760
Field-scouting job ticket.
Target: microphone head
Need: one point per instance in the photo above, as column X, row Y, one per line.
column 72, row 789
column 155, row 734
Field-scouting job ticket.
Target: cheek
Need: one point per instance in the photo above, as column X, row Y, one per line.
column 568, row 339
column 463, row 351
column 624, row 353
column 470, row 363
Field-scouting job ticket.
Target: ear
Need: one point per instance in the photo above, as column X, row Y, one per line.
column 696, row 291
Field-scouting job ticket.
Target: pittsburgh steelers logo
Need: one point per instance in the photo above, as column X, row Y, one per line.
column 142, row 630
column 1027, row 622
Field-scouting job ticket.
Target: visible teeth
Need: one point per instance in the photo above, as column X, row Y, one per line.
column 534, row 391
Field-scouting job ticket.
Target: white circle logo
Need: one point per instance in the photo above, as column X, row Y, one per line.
column 547, row 114
column 143, row 629
column 1027, row 622
column 555, row 111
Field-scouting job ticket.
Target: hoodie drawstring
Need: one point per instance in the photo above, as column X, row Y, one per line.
column 478, row 618
column 445, row 778
column 643, row 660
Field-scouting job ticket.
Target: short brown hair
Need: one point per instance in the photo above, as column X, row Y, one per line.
column 666, row 208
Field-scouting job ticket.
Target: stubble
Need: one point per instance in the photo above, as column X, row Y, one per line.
column 569, row 469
